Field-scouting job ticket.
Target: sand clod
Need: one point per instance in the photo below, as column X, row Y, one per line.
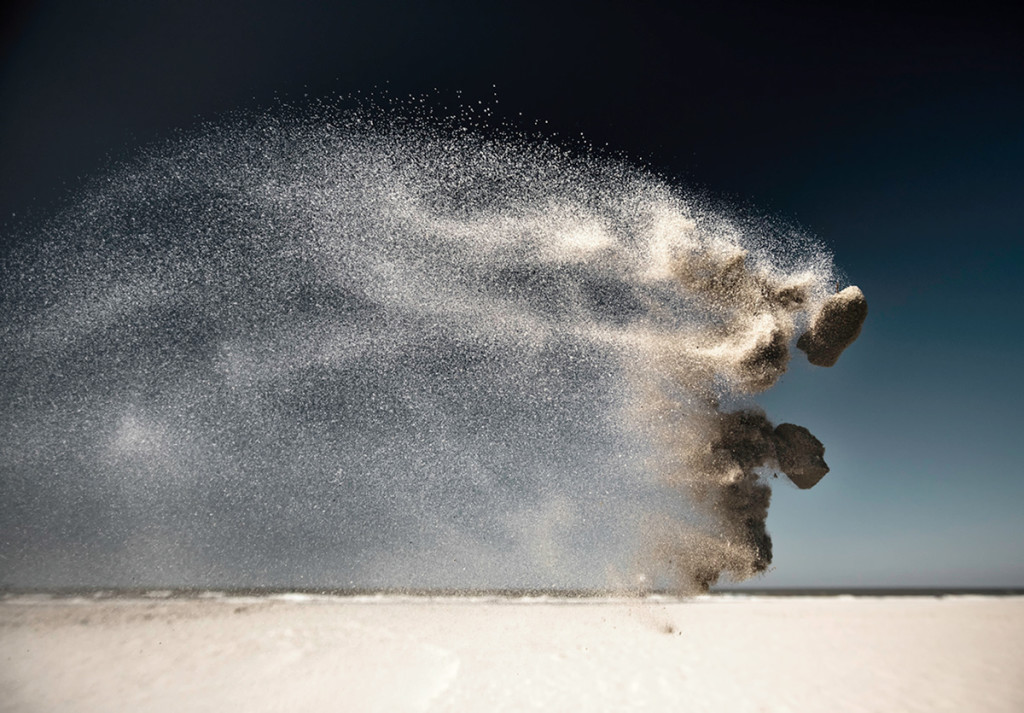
column 835, row 327
column 800, row 455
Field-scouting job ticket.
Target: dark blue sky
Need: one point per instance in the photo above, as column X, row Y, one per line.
column 895, row 136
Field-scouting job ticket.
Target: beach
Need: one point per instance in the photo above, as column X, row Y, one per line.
column 215, row 652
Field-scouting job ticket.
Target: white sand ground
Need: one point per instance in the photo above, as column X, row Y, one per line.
column 404, row 654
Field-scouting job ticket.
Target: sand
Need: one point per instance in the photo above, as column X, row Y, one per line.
column 301, row 653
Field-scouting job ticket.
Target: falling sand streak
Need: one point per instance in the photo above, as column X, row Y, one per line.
column 717, row 454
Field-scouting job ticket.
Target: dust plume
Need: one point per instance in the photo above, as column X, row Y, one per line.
column 359, row 350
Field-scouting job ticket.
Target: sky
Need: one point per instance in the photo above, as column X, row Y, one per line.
column 894, row 136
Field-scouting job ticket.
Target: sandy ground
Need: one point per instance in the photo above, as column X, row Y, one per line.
column 292, row 653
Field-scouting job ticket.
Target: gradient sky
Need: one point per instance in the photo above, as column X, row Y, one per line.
column 896, row 137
